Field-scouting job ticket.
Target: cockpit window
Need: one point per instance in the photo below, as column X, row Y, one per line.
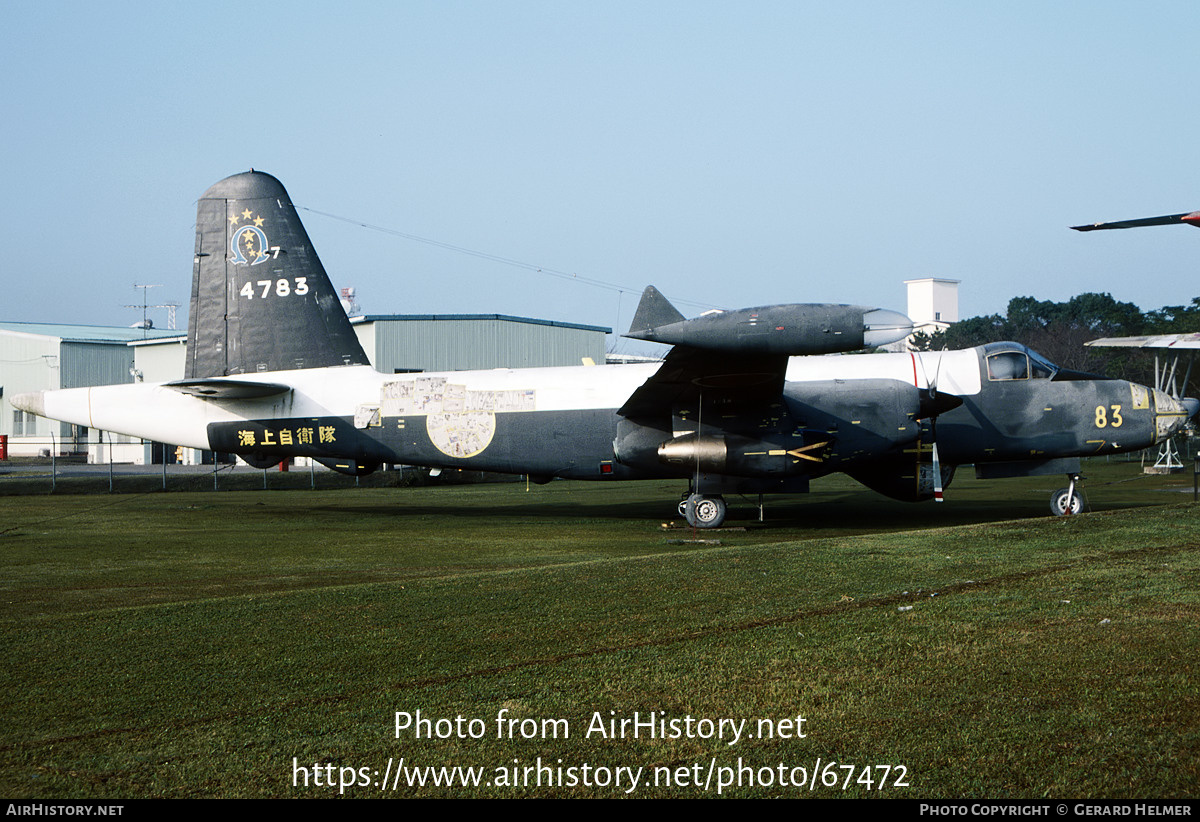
column 1043, row 369
column 1008, row 365
column 1013, row 361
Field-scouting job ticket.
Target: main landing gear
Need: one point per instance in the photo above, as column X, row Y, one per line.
column 703, row 512
column 1066, row 501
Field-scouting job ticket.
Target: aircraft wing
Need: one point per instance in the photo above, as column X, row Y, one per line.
column 689, row 373
column 1191, row 340
column 740, row 357
column 1191, row 218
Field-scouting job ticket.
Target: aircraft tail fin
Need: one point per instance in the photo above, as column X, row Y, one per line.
column 653, row 311
column 261, row 300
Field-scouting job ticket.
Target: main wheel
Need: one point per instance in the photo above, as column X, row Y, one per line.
column 1063, row 502
column 705, row 512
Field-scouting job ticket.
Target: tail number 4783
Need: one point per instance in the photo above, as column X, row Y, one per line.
column 280, row 288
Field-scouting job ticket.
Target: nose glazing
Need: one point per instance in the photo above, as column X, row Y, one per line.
column 1171, row 414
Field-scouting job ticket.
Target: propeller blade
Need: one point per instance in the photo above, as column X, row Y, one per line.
column 937, row 475
column 930, row 405
column 932, row 402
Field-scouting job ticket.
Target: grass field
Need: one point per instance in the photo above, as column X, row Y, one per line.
column 200, row 643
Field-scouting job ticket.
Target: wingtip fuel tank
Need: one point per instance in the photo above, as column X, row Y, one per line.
column 791, row 329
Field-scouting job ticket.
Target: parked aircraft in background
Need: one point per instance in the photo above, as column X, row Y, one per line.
column 741, row 403
column 1191, row 218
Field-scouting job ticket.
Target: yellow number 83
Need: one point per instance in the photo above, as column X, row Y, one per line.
column 1102, row 418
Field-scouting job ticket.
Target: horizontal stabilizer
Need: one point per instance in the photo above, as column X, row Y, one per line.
column 1192, row 218
column 218, row 389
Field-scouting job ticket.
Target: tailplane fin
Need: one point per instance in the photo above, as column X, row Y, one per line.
column 653, row 311
column 261, row 300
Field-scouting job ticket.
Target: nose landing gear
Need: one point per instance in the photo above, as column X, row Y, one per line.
column 1066, row 501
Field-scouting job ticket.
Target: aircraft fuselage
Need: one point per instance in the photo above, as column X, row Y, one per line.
column 851, row 413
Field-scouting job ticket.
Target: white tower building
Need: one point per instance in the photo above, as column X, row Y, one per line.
column 932, row 303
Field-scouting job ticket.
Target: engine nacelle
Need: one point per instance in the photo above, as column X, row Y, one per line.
column 649, row 447
column 736, row 455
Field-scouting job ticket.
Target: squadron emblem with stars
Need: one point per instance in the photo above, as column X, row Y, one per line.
column 248, row 244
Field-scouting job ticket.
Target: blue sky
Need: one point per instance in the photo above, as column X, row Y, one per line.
column 732, row 154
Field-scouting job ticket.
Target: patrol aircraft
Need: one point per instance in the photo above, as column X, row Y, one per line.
column 741, row 404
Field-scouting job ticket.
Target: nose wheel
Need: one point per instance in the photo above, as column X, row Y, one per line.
column 1066, row 501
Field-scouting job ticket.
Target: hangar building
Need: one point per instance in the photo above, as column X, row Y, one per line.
column 48, row 356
